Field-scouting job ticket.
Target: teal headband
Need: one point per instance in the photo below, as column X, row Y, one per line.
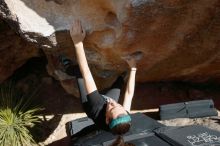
column 119, row 120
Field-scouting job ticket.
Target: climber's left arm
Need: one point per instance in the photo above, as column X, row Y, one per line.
column 78, row 34
column 129, row 92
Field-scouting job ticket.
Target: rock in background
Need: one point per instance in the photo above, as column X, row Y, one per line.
column 14, row 51
column 179, row 39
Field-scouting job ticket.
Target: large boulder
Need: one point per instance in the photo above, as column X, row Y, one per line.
column 14, row 51
column 179, row 39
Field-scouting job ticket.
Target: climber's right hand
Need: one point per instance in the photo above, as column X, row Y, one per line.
column 77, row 33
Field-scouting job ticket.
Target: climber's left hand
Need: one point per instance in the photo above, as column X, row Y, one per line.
column 77, row 32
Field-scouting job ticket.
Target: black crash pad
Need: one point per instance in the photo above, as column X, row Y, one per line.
column 146, row 131
column 190, row 109
column 141, row 139
column 141, row 124
column 194, row 135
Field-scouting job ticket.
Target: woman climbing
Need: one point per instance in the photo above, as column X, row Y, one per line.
column 104, row 110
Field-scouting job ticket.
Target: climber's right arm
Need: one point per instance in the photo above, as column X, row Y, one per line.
column 78, row 34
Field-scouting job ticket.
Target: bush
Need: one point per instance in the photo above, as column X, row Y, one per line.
column 17, row 116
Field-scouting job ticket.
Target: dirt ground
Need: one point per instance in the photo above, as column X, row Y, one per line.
column 61, row 107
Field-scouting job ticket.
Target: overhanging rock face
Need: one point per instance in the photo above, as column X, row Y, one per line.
column 178, row 39
column 14, row 51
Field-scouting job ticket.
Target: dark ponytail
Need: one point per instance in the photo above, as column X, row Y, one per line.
column 120, row 142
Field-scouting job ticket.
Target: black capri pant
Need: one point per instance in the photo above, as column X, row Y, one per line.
column 113, row 92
